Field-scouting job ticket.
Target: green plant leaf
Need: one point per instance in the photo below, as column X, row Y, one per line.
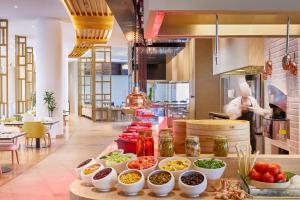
column 289, row 175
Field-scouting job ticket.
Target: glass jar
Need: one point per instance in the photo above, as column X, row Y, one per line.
column 166, row 146
column 165, row 131
column 149, row 143
column 140, row 145
column 192, row 146
column 221, row 147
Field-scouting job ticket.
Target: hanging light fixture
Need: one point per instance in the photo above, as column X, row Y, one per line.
column 136, row 99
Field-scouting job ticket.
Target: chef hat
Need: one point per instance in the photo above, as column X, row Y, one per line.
column 245, row 90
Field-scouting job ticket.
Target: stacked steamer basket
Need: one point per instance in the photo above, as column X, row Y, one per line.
column 236, row 132
column 179, row 134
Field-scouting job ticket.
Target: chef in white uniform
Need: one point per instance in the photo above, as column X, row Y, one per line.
column 243, row 108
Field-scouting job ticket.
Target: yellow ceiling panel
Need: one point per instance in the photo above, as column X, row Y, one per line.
column 93, row 22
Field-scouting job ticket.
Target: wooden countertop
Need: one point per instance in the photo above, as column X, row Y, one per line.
column 79, row 191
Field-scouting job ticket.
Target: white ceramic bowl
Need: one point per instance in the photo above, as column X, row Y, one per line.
column 161, row 190
column 106, row 183
column 192, row 190
column 134, row 188
column 176, row 173
column 87, row 178
column 211, row 174
column 147, row 171
column 78, row 170
column 119, row 167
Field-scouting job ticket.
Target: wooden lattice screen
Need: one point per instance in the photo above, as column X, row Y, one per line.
column 84, row 82
column 101, row 73
column 20, row 73
column 30, row 78
column 4, row 67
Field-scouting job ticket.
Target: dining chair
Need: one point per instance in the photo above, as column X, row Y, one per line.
column 35, row 130
column 13, row 147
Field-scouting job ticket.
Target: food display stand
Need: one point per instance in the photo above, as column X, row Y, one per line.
column 81, row 191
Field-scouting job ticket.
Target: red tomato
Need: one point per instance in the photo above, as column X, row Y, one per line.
column 273, row 169
column 281, row 177
column 255, row 175
column 268, row 178
column 261, row 167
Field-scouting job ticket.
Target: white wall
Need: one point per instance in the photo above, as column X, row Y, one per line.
column 73, row 87
column 119, row 88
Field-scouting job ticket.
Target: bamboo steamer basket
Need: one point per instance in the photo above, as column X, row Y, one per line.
column 236, row 132
column 179, row 134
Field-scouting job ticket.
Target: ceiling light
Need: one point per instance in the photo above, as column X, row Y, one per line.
column 16, row 6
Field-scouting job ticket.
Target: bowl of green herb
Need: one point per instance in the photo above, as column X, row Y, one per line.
column 211, row 167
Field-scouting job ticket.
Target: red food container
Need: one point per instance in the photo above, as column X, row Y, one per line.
column 127, row 142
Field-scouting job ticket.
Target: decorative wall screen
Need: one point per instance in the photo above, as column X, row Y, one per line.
column 4, row 67
column 30, row 78
column 20, row 73
column 102, row 71
column 84, row 82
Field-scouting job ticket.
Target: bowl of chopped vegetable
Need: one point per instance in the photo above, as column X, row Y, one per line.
column 192, row 183
column 161, row 182
column 211, row 167
column 131, row 181
column 145, row 164
column 175, row 165
column 116, row 159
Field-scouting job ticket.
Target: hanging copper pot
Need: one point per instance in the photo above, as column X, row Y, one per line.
column 265, row 75
column 293, row 66
column 268, row 65
column 287, row 58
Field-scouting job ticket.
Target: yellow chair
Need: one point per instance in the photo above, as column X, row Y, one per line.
column 35, row 130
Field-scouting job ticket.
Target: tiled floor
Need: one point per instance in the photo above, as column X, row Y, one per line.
column 50, row 178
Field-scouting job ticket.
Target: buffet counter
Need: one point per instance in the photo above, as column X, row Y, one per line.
column 81, row 191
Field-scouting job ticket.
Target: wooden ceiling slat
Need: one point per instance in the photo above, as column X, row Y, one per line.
column 101, row 6
column 91, row 8
column 77, row 8
column 93, row 22
column 82, row 7
column 95, row 6
column 70, row 7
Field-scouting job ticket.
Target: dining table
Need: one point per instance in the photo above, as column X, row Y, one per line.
column 9, row 136
column 21, row 123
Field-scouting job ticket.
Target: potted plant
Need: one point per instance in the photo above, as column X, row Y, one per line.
column 50, row 101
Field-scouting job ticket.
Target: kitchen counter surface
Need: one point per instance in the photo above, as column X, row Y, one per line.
column 79, row 191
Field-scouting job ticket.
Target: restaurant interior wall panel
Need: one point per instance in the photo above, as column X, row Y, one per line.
column 73, row 87
column 182, row 68
column 207, row 85
column 288, row 83
column 235, row 53
column 179, row 67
